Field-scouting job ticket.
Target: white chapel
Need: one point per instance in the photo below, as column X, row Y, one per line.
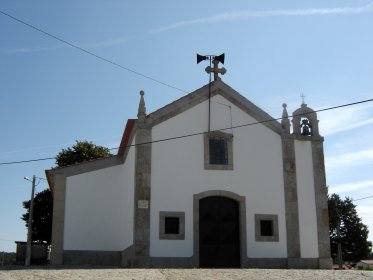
column 209, row 180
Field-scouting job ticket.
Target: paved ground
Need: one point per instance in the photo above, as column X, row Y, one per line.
column 180, row 274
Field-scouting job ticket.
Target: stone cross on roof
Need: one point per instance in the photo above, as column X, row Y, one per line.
column 216, row 70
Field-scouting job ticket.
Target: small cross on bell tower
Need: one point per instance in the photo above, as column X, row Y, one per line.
column 303, row 96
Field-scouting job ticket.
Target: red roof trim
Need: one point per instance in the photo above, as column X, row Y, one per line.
column 122, row 148
column 126, row 136
column 50, row 182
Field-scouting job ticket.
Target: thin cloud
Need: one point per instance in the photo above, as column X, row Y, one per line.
column 365, row 210
column 247, row 15
column 350, row 159
column 365, row 207
column 332, row 122
column 105, row 43
column 338, row 128
column 97, row 141
column 351, row 187
column 30, row 50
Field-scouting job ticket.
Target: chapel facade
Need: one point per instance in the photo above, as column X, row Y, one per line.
column 210, row 180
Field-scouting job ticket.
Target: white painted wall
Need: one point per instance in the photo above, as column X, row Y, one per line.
column 99, row 208
column 178, row 173
column 306, row 200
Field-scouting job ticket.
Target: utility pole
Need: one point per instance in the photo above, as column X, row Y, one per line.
column 29, row 230
column 339, row 246
column 340, row 261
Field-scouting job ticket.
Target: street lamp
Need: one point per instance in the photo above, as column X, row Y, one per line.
column 29, row 230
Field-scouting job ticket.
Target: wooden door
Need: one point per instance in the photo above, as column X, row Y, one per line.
column 219, row 234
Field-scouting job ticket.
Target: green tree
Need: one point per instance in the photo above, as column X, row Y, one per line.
column 41, row 217
column 43, row 201
column 81, row 151
column 353, row 233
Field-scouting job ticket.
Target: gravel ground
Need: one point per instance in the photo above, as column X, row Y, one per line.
column 180, row 274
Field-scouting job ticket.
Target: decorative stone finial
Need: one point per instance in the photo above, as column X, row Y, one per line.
column 141, row 114
column 285, row 122
column 216, row 70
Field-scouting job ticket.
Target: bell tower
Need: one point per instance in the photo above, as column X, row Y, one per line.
column 305, row 121
column 303, row 145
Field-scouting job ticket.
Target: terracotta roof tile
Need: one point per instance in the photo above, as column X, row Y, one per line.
column 126, row 136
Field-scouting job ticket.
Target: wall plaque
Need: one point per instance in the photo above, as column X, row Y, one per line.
column 143, row 204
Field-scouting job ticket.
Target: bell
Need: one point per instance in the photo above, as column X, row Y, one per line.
column 220, row 58
column 305, row 130
column 201, row 58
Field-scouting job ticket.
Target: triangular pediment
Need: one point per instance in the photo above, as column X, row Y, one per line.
column 202, row 94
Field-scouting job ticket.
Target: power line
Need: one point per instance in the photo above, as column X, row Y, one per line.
column 91, row 53
column 25, row 161
column 248, row 124
column 201, row 133
column 371, row 196
column 2, row 239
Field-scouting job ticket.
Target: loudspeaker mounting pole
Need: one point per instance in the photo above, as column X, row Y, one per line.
column 216, row 70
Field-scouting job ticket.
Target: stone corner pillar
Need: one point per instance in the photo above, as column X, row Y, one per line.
column 58, row 221
column 291, row 198
column 321, row 201
column 142, row 202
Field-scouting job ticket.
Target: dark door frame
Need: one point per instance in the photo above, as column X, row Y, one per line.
column 242, row 222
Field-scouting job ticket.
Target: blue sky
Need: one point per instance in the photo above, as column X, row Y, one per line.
column 53, row 94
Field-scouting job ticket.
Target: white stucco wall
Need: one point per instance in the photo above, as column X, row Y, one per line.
column 306, row 200
column 99, row 208
column 178, row 173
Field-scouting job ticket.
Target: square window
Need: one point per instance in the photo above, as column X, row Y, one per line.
column 218, row 151
column 266, row 227
column 171, row 225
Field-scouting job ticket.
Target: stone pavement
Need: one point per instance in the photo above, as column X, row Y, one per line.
column 179, row 274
